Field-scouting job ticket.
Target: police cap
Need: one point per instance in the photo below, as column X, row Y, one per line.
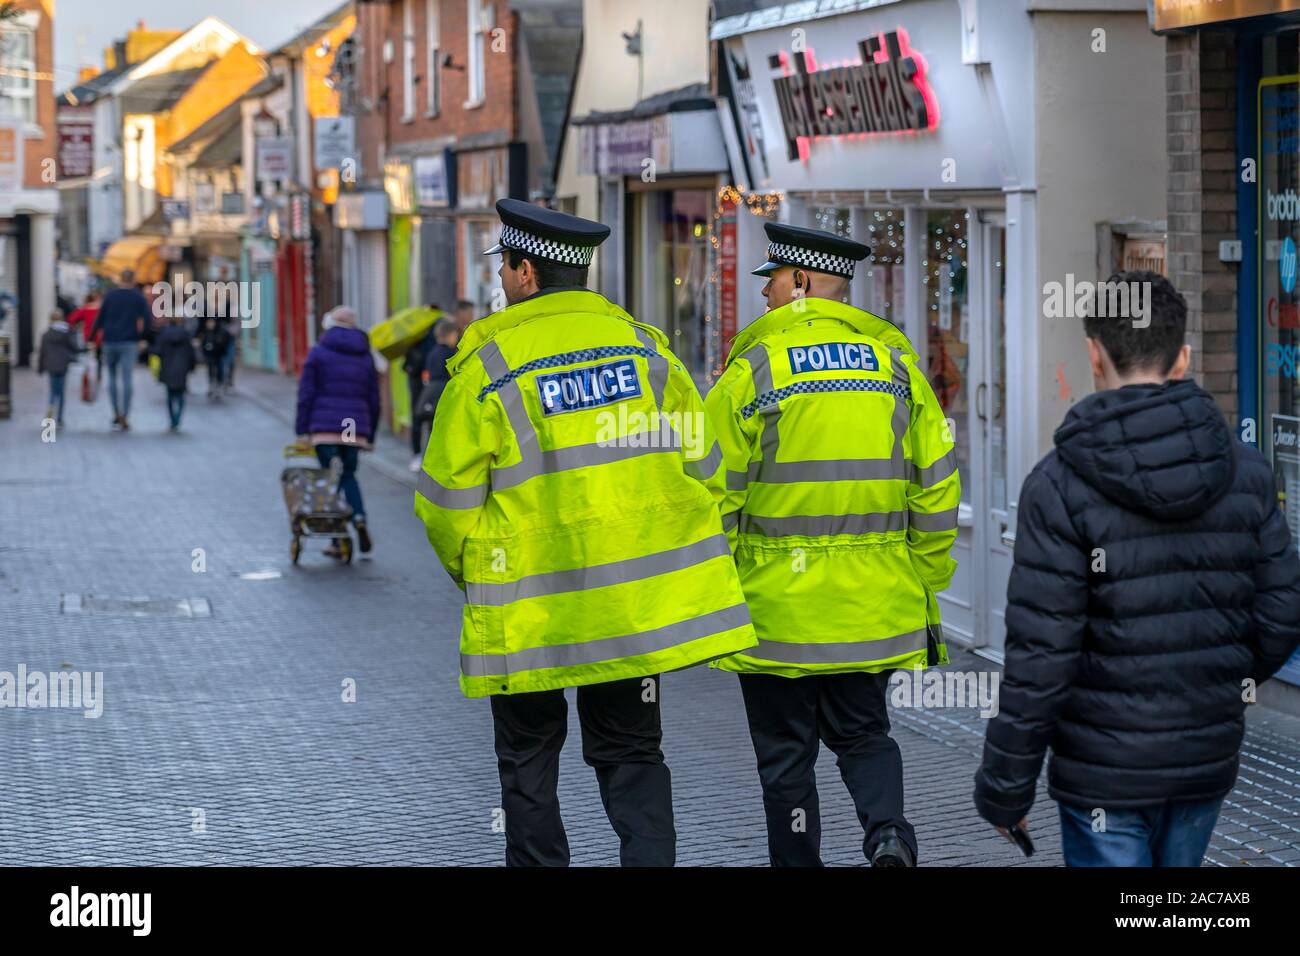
column 811, row 249
column 546, row 234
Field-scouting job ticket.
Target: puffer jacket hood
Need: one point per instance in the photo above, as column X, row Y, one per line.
column 1164, row 450
column 349, row 341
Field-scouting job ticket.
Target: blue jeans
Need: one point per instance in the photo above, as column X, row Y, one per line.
column 57, row 384
column 121, row 360
column 347, row 454
column 175, row 405
column 1172, row 834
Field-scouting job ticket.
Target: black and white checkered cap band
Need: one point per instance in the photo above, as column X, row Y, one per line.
column 811, row 259
column 549, row 249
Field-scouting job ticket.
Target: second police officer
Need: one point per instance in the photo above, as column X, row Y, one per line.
column 584, row 532
column 841, row 506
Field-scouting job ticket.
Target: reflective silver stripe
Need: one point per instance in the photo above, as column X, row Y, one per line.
column 566, row 459
column 703, row 468
column 512, row 398
column 456, row 499
column 760, row 370
column 902, row 417
column 658, row 367
column 600, row 575
column 606, row 650
column 738, row 480
column 938, row 521
column 815, row 525
column 847, row 469
column 931, row 475
column 845, row 652
column 730, row 521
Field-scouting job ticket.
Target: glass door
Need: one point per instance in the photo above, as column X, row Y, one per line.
column 991, row 411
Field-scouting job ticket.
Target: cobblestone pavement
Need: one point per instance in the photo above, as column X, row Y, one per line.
column 235, row 718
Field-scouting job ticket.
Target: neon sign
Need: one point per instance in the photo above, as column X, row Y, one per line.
column 885, row 92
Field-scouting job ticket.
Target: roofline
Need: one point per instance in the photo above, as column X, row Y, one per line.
column 150, row 65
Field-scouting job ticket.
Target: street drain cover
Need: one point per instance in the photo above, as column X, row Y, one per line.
column 136, row 606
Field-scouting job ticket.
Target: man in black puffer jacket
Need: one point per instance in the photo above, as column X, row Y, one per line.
column 1155, row 585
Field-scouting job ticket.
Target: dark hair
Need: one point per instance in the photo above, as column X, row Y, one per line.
column 1154, row 345
column 464, row 304
column 550, row 275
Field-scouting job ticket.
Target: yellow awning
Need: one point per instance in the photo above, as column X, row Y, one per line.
column 395, row 336
column 141, row 254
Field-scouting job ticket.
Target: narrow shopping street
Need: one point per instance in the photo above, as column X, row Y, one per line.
column 225, row 736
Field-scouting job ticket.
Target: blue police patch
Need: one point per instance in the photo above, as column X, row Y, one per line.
column 833, row 357
column 588, row 387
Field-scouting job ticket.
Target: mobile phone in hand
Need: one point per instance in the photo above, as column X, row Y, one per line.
column 1020, row 838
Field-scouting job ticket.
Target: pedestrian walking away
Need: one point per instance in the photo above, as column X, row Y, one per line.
column 175, row 350
column 60, row 346
column 836, row 451
column 1155, row 586
column 83, row 322
column 597, row 563
column 434, row 378
column 338, row 406
column 413, row 366
column 121, row 322
column 214, row 341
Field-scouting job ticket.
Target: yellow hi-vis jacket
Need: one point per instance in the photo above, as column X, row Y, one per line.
column 841, row 495
column 566, row 489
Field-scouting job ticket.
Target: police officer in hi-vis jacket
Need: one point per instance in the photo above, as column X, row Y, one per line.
column 569, row 488
column 841, row 507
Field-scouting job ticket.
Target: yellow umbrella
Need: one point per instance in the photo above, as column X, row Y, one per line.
column 395, row 336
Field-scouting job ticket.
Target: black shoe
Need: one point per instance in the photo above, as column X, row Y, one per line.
column 363, row 537
column 891, row 850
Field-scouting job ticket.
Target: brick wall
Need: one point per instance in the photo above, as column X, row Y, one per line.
column 1201, row 123
column 494, row 117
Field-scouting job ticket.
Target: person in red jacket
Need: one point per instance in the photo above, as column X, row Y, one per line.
column 82, row 320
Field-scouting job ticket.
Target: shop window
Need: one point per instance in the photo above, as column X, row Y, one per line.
column 475, row 70
column 1143, row 255
column 433, row 57
column 480, row 270
column 682, row 262
column 947, row 319
column 884, row 267
column 833, row 219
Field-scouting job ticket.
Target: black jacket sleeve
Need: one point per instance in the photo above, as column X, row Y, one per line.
column 1277, row 595
column 1047, row 611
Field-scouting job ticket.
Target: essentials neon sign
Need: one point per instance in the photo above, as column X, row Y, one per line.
column 885, row 93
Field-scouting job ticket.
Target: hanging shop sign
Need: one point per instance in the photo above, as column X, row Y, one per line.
column 886, row 92
column 727, row 274
column 274, row 157
column 336, row 141
column 76, row 127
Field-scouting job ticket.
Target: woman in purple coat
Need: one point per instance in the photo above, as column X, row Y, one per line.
column 338, row 404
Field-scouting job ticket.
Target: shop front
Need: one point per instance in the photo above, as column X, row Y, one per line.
column 661, row 165
column 927, row 138
column 1258, row 54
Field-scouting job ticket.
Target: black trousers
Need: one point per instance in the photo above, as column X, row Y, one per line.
column 787, row 717
column 621, row 734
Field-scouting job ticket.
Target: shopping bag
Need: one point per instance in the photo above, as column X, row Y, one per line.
column 155, row 365
column 88, row 386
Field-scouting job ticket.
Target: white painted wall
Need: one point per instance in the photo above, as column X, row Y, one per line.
column 1100, row 157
